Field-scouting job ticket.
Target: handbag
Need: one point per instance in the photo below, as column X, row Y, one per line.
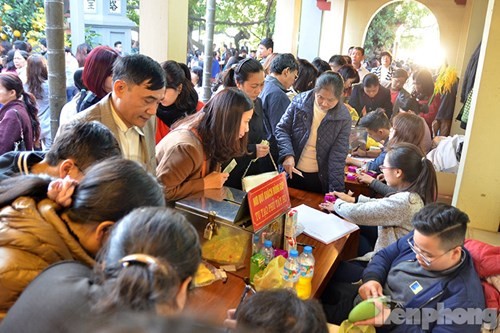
column 249, row 182
column 20, row 145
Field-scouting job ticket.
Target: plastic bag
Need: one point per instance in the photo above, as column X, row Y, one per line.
column 206, row 275
column 271, row 276
column 348, row 327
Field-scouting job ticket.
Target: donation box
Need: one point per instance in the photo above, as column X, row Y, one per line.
column 227, row 221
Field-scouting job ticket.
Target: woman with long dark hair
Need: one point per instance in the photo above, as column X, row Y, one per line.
column 181, row 99
column 43, row 222
column 190, row 156
column 137, row 271
column 18, row 115
column 37, row 85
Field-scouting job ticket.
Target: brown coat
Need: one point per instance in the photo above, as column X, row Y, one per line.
column 32, row 237
column 180, row 161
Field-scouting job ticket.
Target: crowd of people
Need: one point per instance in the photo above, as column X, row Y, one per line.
column 86, row 211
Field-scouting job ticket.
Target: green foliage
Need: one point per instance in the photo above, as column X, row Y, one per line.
column 22, row 19
column 252, row 18
column 133, row 11
column 381, row 33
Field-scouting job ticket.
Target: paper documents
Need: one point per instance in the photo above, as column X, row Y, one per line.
column 321, row 226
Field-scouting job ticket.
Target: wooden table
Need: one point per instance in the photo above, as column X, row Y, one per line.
column 210, row 303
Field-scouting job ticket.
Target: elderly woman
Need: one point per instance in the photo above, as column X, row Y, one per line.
column 313, row 136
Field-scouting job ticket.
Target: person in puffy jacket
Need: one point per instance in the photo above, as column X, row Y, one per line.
column 313, row 137
column 44, row 222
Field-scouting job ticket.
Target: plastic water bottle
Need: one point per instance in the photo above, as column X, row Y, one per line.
column 306, row 263
column 268, row 251
column 291, row 269
column 255, row 244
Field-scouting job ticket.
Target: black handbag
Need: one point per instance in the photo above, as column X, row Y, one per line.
column 20, row 145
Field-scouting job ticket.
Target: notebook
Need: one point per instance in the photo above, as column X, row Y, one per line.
column 322, row 226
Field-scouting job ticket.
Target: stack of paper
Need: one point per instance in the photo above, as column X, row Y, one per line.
column 321, row 226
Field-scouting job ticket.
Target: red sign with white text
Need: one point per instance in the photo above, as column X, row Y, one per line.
column 268, row 201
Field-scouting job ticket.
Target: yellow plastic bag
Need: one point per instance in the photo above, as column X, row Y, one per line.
column 271, row 276
column 348, row 327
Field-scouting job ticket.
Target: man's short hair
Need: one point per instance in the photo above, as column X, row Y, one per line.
column 337, row 60
column 386, row 53
column 267, row 43
column 370, row 80
column 84, row 142
column 446, row 222
column 117, row 43
column 359, row 48
column 375, row 120
column 137, row 69
column 400, row 73
column 282, row 61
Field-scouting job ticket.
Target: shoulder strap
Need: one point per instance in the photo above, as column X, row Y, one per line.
column 255, row 159
column 20, row 124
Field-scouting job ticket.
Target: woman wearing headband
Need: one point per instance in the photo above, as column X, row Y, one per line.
column 147, row 266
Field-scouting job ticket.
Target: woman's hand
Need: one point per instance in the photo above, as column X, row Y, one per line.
column 261, row 150
column 366, row 179
column 289, row 165
column 61, row 190
column 327, row 205
column 215, row 180
column 381, row 177
column 352, row 161
column 230, row 321
column 344, row 196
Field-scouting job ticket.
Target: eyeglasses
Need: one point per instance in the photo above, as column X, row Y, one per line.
column 418, row 252
column 383, row 167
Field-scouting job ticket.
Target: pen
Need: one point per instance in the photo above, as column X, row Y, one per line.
column 304, row 244
column 355, row 149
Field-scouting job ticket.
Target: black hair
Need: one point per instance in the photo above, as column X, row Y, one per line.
column 337, row 60
column 375, row 120
column 444, row 221
column 307, row 76
column 386, row 53
column 84, row 142
column 241, row 72
column 359, row 48
column 276, row 311
column 283, row 61
column 43, row 41
column 138, row 69
column 418, row 171
column 267, row 42
column 117, row 43
column 371, row 80
column 164, row 235
column 231, row 61
column 21, row 45
column 332, row 81
column 198, row 71
column 321, row 65
column 349, row 72
column 176, row 75
column 124, row 183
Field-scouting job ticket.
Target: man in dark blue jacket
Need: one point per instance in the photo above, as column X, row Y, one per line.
column 429, row 277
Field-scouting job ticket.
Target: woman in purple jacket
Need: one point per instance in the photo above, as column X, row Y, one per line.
column 18, row 115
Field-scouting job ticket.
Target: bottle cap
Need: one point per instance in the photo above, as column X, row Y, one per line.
column 256, row 237
column 294, row 253
column 268, row 243
column 308, row 249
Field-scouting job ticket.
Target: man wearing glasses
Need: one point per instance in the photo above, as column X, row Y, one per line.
column 428, row 276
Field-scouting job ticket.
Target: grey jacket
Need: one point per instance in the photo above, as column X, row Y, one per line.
column 102, row 113
column 332, row 145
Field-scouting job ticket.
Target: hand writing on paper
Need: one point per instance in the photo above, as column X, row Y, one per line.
column 346, row 197
column 215, row 180
column 327, row 205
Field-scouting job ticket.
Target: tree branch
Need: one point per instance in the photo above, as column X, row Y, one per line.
column 236, row 24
